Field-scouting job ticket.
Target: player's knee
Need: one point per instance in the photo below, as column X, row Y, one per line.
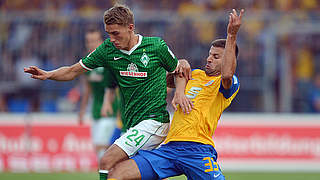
column 125, row 170
column 117, row 173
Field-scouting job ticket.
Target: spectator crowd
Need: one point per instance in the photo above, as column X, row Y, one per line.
column 49, row 34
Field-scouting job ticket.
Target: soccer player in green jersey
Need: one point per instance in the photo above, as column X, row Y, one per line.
column 139, row 65
column 99, row 84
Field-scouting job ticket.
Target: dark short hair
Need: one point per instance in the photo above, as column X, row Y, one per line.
column 222, row 44
column 118, row 14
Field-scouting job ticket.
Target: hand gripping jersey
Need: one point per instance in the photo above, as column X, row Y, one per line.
column 141, row 76
column 210, row 99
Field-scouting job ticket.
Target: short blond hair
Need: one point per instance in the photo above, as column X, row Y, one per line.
column 118, row 14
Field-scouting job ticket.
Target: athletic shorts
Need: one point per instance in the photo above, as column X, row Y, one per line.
column 146, row 135
column 102, row 130
column 195, row 160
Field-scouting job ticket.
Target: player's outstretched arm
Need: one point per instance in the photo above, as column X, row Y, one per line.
column 66, row 73
column 229, row 61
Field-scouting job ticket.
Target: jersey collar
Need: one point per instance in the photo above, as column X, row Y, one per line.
column 134, row 47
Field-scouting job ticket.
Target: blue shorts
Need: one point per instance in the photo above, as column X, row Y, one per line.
column 195, row 160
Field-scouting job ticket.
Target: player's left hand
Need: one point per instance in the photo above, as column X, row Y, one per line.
column 234, row 22
column 185, row 103
column 184, row 69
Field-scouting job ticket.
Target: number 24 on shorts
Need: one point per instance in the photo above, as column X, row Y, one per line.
column 134, row 137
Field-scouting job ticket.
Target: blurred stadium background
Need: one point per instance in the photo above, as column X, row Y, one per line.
column 272, row 129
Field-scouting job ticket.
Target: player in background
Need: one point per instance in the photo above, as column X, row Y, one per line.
column 189, row 147
column 100, row 85
column 139, row 65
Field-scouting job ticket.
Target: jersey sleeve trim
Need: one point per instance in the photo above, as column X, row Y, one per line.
column 84, row 66
column 227, row 93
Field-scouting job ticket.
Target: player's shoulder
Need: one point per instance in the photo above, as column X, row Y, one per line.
column 107, row 47
column 152, row 40
column 107, row 43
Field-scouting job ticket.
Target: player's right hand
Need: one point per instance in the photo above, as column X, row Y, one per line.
column 36, row 73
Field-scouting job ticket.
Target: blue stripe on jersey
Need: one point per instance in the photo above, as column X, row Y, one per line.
column 234, row 87
column 193, row 69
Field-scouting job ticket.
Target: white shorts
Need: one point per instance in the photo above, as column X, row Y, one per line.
column 102, row 130
column 146, row 135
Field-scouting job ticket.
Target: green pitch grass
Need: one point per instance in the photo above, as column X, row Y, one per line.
column 228, row 175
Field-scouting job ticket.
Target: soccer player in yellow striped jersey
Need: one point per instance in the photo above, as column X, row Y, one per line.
column 189, row 148
column 210, row 99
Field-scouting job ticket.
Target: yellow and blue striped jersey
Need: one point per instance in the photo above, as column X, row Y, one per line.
column 210, row 99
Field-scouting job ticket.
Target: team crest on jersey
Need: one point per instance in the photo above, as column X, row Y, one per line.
column 145, row 59
column 132, row 71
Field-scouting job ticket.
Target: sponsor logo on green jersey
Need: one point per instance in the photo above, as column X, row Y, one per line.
column 132, row 71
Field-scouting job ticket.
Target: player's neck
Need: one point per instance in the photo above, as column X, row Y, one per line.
column 213, row 73
column 134, row 39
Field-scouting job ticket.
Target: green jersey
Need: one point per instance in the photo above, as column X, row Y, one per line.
column 141, row 76
column 99, row 79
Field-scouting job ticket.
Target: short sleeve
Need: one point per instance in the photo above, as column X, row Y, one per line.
column 94, row 59
column 227, row 93
column 167, row 58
